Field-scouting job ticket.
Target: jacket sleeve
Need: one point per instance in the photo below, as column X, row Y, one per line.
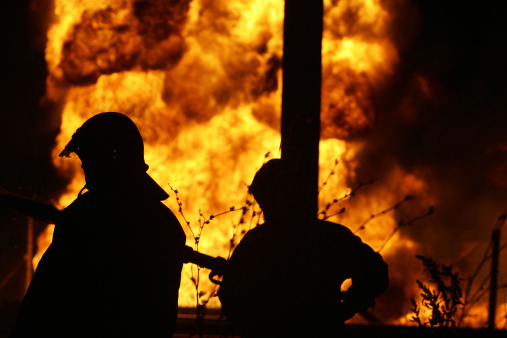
column 233, row 292
column 369, row 275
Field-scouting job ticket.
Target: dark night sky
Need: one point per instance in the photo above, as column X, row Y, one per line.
column 27, row 127
column 459, row 133
column 458, row 138
column 455, row 139
column 27, row 133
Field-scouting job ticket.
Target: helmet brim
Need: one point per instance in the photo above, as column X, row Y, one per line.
column 152, row 187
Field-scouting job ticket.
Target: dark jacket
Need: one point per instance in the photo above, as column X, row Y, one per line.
column 284, row 279
column 112, row 270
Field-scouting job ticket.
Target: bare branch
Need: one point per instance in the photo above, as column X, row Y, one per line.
column 331, row 173
column 402, row 224
column 383, row 212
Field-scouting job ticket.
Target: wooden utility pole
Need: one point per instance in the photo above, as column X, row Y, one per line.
column 29, row 253
column 494, row 278
column 301, row 94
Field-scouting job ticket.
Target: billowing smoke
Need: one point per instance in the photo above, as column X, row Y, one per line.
column 412, row 94
column 441, row 118
column 145, row 36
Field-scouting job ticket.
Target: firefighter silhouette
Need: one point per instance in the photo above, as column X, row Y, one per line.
column 284, row 277
column 113, row 268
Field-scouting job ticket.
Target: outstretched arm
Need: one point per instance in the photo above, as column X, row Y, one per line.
column 369, row 280
column 28, row 207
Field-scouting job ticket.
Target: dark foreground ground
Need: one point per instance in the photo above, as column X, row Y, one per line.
column 214, row 325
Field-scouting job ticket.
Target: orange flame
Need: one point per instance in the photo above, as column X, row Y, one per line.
column 202, row 80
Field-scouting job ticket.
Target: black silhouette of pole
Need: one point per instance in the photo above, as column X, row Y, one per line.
column 494, row 278
column 301, row 94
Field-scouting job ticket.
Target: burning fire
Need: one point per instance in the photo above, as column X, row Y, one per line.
column 202, row 80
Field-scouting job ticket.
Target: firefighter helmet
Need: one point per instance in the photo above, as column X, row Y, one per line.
column 106, row 138
column 112, row 140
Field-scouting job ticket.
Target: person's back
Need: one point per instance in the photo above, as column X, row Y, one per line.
column 113, row 268
column 284, row 277
column 284, row 281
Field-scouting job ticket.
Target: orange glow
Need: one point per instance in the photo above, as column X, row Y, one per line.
column 206, row 96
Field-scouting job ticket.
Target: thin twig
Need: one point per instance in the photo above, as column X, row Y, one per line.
column 180, row 209
column 383, row 212
column 347, row 195
column 342, row 210
column 195, row 277
column 402, row 224
column 331, row 173
column 245, row 209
